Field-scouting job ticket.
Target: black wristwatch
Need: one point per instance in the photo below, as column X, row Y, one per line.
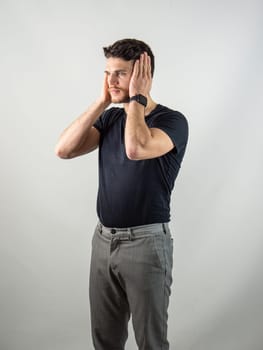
column 140, row 99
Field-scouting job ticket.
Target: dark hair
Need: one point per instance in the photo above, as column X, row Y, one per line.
column 129, row 49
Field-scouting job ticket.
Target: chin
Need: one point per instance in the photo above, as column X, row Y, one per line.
column 120, row 99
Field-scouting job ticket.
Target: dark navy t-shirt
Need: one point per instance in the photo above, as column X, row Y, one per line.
column 137, row 192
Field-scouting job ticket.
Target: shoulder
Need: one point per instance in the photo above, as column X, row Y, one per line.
column 165, row 115
column 164, row 110
column 108, row 117
column 173, row 123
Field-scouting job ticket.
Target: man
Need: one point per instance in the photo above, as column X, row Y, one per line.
column 141, row 147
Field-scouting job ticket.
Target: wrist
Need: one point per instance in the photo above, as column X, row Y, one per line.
column 140, row 99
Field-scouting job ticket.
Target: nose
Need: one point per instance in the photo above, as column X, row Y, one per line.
column 112, row 79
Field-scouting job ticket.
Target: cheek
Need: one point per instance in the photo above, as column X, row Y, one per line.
column 126, row 82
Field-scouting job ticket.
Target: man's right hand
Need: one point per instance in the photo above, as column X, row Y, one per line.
column 105, row 97
column 81, row 136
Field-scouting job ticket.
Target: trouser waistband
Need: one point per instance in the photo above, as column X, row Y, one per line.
column 134, row 231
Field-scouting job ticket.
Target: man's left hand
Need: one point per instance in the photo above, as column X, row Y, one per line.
column 141, row 79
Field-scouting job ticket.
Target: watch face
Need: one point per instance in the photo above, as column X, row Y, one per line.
column 142, row 99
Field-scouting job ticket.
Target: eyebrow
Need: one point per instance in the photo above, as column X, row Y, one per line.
column 117, row 71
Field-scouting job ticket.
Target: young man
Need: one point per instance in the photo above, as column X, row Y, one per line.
column 141, row 147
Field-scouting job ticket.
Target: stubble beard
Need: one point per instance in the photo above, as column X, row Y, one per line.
column 123, row 98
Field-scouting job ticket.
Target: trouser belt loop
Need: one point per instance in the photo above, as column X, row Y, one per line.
column 130, row 234
column 164, row 228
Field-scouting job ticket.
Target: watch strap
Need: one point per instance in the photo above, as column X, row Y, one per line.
column 140, row 99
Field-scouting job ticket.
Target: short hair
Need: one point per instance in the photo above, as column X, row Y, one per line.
column 129, row 49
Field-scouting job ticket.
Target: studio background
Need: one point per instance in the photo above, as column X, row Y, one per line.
column 209, row 67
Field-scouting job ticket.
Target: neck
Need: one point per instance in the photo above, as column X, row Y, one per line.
column 150, row 106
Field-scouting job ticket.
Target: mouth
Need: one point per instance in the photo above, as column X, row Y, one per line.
column 115, row 91
column 118, row 95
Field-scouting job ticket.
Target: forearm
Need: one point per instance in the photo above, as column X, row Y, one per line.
column 137, row 133
column 78, row 132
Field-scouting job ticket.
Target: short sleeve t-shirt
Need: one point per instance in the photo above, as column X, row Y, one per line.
column 137, row 192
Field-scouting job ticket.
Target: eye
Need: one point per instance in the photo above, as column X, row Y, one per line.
column 121, row 73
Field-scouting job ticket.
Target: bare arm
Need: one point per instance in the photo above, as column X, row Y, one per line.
column 142, row 142
column 81, row 136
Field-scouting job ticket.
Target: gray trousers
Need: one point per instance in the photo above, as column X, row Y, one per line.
column 130, row 274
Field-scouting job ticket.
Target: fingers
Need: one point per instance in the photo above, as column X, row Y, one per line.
column 105, row 96
column 105, row 83
column 144, row 65
column 135, row 72
column 105, row 79
column 149, row 67
column 141, row 77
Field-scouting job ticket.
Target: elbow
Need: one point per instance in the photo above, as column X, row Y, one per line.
column 62, row 153
column 136, row 148
column 133, row 153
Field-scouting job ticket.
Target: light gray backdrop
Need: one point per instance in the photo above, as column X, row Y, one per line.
column 209, row 67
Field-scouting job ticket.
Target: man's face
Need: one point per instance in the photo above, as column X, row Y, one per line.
column 119, row 73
